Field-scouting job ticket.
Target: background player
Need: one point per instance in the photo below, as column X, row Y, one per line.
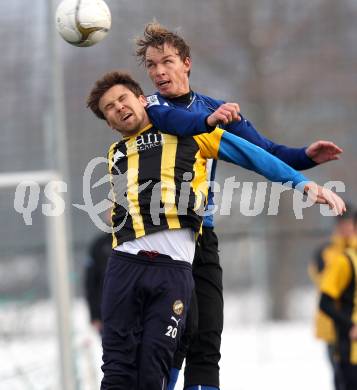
column 99, row 252
column 338, row 300
column 342, row 238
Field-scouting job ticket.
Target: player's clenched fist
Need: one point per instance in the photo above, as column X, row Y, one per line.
column 225, row 113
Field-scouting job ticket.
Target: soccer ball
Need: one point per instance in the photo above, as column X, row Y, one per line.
column 83, row 22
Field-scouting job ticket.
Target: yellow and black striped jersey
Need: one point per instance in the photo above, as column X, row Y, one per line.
column 324, row 326
column 159, row 182
column 339, row 281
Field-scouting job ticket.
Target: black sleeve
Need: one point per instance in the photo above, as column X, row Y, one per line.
column 328, row 306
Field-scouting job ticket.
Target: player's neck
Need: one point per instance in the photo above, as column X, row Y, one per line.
column 137, row 132
column 184, row 99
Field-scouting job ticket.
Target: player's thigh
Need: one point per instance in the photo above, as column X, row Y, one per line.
column 164, row 323
column 120, row 293
column 122, row 325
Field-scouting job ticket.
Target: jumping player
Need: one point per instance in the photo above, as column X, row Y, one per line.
column 167, row 59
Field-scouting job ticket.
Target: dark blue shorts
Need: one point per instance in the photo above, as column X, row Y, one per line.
column 144, row 307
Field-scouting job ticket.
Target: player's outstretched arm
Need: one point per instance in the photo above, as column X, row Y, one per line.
column 228, row 147
column 185, row 123
column 318, row 152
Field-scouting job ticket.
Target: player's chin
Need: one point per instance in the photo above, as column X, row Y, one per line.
column 133, row 127
column 167, row 91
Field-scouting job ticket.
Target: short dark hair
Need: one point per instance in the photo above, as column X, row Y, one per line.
column 105, row 83
column 155, row 35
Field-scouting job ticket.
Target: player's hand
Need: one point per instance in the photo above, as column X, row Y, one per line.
column 353, row 333
column 323, row 195
column 323, row 151
column 225, row 114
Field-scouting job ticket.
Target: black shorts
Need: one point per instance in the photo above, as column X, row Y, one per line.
column 144, row 308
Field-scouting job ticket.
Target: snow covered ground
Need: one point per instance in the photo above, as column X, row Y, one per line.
column 261, row 355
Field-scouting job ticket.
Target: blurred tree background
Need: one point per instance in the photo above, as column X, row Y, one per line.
column 291, row 65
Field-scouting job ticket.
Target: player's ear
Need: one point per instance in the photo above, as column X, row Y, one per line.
column 143, row 100
column 187, row 63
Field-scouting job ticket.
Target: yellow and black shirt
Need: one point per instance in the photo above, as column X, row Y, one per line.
column 324, row 327
column 339, row 285
column 159, row 182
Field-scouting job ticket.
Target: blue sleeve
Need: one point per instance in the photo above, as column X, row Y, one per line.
column 241, row 152
column 178, row 121
column 295, row 157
